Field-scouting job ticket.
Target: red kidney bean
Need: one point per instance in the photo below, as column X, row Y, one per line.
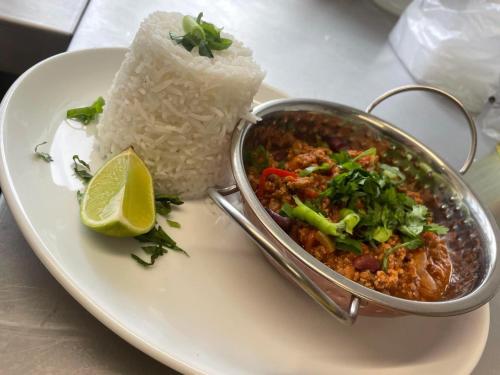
column 280, row 155
column 335, row 143
column 366, row 262
column 282, row 221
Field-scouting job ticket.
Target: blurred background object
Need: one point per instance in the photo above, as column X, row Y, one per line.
column 32, row 30
column 395, row 7
column 454, row 45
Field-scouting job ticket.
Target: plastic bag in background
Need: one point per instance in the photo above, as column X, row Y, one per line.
column 454, row 45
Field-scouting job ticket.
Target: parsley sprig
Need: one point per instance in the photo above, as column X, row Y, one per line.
column 201, row 34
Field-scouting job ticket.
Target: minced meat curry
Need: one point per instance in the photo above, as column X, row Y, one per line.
column 360, row 217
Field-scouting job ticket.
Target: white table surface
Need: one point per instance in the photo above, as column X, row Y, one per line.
column 335, row 50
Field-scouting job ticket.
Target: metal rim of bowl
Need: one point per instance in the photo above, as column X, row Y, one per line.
column 474, row 299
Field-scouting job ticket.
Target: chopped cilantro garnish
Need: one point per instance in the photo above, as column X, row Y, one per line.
column 79, row 196
column 258, row 158
column 81, row 169
column 43, row 155
column 173, row 224
column 164, row 202
column 158, row 243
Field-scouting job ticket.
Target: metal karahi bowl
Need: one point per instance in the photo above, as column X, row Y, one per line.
column 472, row 242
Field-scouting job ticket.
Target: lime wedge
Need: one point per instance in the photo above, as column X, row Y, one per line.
column 119, row 200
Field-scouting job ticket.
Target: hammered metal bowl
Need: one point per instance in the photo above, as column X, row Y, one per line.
column 472, row 240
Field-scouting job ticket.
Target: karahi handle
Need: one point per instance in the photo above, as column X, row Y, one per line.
column 461, row 107
column 300, row 278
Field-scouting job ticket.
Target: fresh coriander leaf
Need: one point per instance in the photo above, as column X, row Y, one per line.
column 341, row 157
column 173, row 224
column 81, row 169
column 414, row 244
column 436, row 228
column 174, row 199
column 418, row 213
column 348, row 244
column 415, row 221
column 392, row 173
column 86, row 114
column 43, row 155
column 412, row 229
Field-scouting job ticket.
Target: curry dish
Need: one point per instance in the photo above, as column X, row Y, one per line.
column 362, row 218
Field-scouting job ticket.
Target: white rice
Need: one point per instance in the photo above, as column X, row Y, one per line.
column 178, row 109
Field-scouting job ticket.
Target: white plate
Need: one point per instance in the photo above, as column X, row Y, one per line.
column 224, row 309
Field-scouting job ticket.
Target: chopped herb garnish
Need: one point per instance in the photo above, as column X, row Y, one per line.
column 173, row 224
column 43, row 155
column 348, row 244
column 374, row 196
column 81, row 169
column 163, row 203
column 174, row 199
column 436, row 228
column 79, row 196
column 158, row 242
column 85, row 115
column 258, row 158
column 163, row 208
column 201, row 34
column 153, row 251
column 392, row 173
